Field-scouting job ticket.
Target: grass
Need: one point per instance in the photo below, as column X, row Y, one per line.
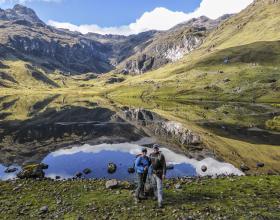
column 238, row 197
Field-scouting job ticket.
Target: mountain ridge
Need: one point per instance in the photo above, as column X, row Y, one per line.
column 23, row 34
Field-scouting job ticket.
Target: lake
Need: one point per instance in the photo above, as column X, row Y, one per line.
column 71, row 133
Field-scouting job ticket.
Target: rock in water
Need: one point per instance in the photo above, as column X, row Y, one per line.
column 10, row 170
column 204, row 168
column 87, row 171
column 131, row 170
column 31, row 172
column 112, row 168
column 79, row 175
column 110, row 184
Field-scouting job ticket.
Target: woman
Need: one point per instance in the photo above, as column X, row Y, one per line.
column 142, row 164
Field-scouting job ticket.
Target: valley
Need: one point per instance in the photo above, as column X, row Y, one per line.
column 207, row 91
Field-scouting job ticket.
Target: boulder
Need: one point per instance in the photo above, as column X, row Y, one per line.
column 44, row 166
column 226, row 80
column 78, row 175
column 87, row 171
column 131, row 170
column 244, row 168
column 112, row 168
column 111, row 184
column 44, row 209
column 11, row 170
column 204, row 168
column 178, row 186
column 31, row 172
column 114, row 80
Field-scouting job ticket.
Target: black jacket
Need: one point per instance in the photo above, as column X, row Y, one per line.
column 158, row 164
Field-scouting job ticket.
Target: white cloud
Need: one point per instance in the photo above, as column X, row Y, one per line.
column 161, row 18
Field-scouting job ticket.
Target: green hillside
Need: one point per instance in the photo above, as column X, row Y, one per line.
column 249, row 42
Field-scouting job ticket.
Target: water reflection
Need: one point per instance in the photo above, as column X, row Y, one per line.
column 67, row 162
column 33, row 126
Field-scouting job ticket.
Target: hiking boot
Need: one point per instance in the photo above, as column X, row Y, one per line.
column 160, row 206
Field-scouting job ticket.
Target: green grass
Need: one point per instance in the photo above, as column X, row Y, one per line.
column 241, row 197
column 210, row 79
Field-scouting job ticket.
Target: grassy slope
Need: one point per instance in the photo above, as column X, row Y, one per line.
column 241, row 197
column 251, row 41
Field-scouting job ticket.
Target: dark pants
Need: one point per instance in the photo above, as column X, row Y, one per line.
column 141, row 180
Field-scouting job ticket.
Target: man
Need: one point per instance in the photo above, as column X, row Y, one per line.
column 142, row 164
column 159, row 171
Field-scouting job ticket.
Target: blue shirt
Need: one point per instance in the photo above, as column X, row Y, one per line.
column 142, row 162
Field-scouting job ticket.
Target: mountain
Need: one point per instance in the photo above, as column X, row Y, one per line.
column 170, row 46
column 237, row 61
column 25, row 37
column 19, row 13
column 30, row 50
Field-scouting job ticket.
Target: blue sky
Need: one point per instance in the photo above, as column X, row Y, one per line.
column 103, row 12
column 125, row 16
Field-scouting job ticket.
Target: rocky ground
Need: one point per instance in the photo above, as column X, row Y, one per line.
column 250, row 197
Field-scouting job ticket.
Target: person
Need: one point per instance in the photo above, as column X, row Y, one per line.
column 142, row 165
column 158, row 164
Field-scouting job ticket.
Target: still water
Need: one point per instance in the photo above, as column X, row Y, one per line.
column 71, row 133
column 66, row 163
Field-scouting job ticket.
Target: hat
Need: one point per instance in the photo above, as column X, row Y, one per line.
column 156, row 146
column 144, row 150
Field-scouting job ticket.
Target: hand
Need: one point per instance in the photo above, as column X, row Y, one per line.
column 163, row 177
column 145, row 168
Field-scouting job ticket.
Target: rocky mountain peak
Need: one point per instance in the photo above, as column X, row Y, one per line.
column 20, row 12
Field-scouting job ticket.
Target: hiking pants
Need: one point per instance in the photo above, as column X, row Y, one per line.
column 158, row 188
column 141, row 180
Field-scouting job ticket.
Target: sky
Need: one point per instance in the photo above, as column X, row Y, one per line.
column 125, row 17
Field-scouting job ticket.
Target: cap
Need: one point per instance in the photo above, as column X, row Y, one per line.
column 155, row 146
